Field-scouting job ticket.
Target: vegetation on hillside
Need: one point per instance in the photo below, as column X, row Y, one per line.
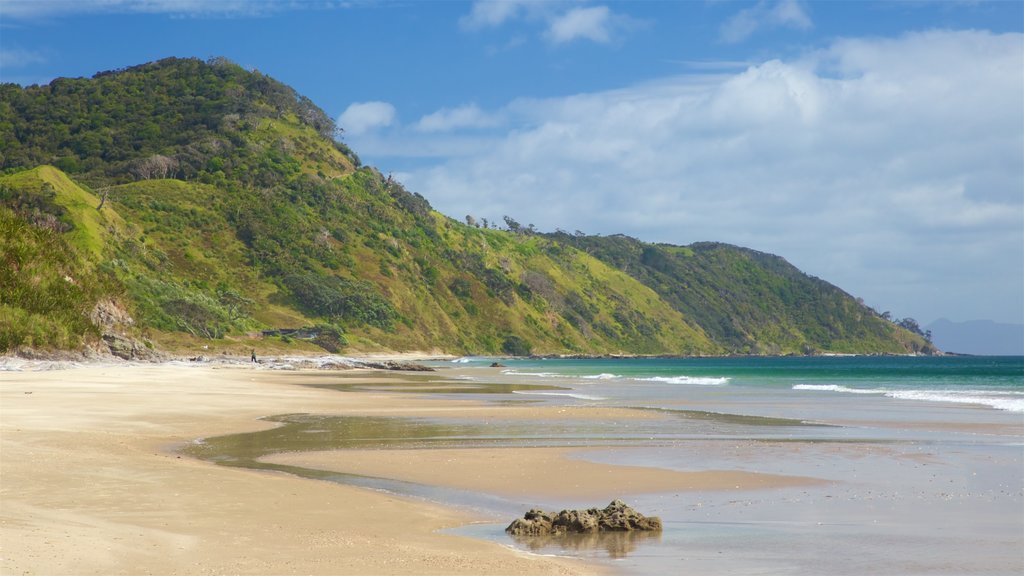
column 215, row 202
column 752, row 302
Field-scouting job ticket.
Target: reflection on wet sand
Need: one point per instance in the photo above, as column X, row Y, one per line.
column 615, row 544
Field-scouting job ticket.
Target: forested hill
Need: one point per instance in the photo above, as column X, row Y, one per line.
column 184, row 203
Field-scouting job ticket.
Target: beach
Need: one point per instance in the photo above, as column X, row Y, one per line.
column 92, row 484
column 176, row 469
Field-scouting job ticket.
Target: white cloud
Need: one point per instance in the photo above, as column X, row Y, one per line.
column 562, row 21
column 592, row 23
column 887, row 166
column 783, row 13
column 491, row 13
column 362, row 117
column 447, row 119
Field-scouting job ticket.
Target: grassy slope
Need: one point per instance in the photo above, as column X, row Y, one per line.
column 48, row 282
column 92, row 227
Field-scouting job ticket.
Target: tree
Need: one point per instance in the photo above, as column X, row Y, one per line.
column 516, row 346
column 513, row 226
column 470, row 221
column 912, row 325
column 155, row 166
column 103, row 197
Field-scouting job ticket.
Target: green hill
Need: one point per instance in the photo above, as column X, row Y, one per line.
column 229, row 210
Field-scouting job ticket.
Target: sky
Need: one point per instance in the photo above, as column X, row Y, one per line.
column 876, row 145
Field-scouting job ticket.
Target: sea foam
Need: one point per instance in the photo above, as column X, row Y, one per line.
column 837, row 388
column 696, row 380
column 1009, row 401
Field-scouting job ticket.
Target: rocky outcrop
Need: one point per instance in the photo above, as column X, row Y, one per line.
column 128, row 348
column 400, row 366
column 616, row 517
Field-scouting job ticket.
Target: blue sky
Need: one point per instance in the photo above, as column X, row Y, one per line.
column 878, row 145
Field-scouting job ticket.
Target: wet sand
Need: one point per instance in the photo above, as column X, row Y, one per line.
column 92, row 484
column 522, row 473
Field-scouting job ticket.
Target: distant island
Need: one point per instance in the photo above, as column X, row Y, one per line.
column 186, row 203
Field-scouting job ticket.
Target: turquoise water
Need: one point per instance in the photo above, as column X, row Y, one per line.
column 995, row 382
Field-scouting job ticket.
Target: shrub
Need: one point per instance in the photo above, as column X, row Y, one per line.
column 516, row 346
column 334, row 297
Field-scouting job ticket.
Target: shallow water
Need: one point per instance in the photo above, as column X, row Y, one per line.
column 914, row 486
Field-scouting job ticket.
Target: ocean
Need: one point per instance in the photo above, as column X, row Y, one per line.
column 993, row 381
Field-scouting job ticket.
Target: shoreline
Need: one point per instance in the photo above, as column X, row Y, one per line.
column 159, row 357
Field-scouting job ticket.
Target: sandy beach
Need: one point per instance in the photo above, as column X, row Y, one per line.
column 109, row 469
column 92, row 484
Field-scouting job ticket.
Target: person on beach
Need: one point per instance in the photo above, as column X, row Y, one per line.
column 254, row 355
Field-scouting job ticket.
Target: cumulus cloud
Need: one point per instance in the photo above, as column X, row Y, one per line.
column 783, row 13
column 890, row 166
column 362, row 117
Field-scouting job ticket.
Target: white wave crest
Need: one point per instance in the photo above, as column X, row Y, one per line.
column 837, row 388
column 512, row 372
column 601, row 377
column 1008, row 401
column 695, row 380
column 999, row 402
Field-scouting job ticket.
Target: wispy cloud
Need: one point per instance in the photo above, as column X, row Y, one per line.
column 592, row 23
column 16, row 58
column 462, row 117
column 492, row 13
column 562, row 22
column 766, row 14
column 31, row 9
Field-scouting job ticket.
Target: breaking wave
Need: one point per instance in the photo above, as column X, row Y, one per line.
column 1011, row 401
column 694, row 380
